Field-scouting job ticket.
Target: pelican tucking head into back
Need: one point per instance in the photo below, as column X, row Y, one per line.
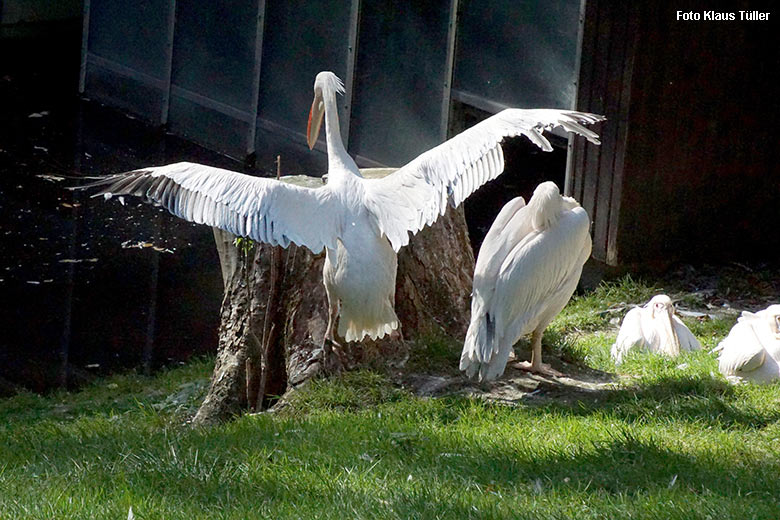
column 527, row 269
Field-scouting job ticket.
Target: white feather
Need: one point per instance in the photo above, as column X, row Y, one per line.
column 434, row 174
column 265, row 210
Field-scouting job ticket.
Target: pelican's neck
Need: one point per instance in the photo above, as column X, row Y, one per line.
column 338, row 158
column 670, row 344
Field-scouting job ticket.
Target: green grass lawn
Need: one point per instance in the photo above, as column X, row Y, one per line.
column 665, row 442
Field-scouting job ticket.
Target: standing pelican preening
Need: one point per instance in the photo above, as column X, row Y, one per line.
column 527, row 269
column 361, row 223
column 751, row 351
column 654, row 327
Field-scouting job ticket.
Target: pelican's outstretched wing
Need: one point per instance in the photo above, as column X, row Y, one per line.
column 265, row 210
column 417, row 194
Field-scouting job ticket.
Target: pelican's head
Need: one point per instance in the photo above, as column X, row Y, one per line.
column 660, row 306
column 662, row 309
column 546, row 205
column 326, row 86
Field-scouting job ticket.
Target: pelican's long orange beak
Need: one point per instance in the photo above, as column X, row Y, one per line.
column 315, row 120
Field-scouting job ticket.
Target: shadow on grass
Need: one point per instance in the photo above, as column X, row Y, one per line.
column 343, row 454
column 623, row 465
column 355, row 462
column 693, row 399
column 447, row 476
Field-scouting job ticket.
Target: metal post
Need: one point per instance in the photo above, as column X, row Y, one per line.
column 255, row 108
column 446, row 91
column 84, row 48
column 349, row 85
column 166, row 91
column 568, row 183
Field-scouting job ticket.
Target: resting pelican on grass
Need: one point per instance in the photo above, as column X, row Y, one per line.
column 527, row 269
column 751, row 351
column 654, row 327
column 361, row 223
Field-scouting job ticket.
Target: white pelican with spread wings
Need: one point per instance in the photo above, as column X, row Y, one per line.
column 360, row 222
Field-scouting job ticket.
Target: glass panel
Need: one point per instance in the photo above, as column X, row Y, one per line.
column 300, row 40
column 400, row 75
column 519, row 53
column 126, row 66
column 214, row 49
column 208, row 127
column 124, row 93
column 133, row 33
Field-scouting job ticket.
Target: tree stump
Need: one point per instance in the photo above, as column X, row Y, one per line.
column 274, row 311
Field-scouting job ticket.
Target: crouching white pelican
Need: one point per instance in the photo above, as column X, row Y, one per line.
column 751, row 351
column 527, row 269
column 360, row 222
column 654, row 327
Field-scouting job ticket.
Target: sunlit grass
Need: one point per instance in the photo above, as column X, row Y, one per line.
column 587, row 327
column 670, row 439
column 679, row 447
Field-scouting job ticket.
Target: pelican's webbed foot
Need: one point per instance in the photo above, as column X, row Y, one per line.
column 332, row 357
column 538, row 368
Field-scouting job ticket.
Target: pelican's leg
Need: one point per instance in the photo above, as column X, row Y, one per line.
column 536, row 366
column 333, row 312
column 330, row 355
column 397, row 334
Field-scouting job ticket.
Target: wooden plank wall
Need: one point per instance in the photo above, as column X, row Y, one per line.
column 604, row 87
column 688, row 167
column 702, row 154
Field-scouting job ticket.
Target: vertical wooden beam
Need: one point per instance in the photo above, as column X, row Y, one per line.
column 611, row 93
column 621, row 139
column 349, row 81
column 84, row 47
column 599, row 83
column 448, row 70
column 166, row 95
column 255, row 103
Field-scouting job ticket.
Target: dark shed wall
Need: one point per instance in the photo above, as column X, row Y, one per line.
column 607, row 56
column 698, row 177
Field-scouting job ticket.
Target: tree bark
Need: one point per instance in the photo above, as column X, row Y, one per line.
column 274, row 312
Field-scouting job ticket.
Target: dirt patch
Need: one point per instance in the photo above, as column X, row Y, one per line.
column 726, row 289
column 517, row 386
